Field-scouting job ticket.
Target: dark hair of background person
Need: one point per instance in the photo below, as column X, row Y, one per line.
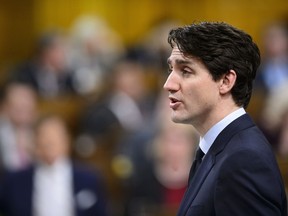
column 221, row 47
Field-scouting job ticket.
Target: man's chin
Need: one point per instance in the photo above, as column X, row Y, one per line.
column 179, row 120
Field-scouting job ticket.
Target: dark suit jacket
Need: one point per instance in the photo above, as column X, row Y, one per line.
column 238, row 176
column 17, row 189
column 28, row 73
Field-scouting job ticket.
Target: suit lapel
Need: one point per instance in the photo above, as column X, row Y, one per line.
column 24, row 192
column 241, row 123
column 196, row 183
column 29, row 188
column 76, row 187
column 208, row 162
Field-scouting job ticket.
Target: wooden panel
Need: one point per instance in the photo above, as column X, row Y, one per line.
column 16, row 30
column 132, row 18
column 21, row 21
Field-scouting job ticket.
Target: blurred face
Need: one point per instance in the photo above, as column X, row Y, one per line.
column 177, row 145
column 276, row 41
column 130, row 79
column 193, row 93
column 20, row 105
column 55, row 55
column 52, row 141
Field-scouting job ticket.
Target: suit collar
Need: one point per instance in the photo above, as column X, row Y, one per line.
column 234, row 127
column 208, row 162
column 208, row 139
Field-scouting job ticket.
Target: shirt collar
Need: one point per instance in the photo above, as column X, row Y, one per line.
column 207, row 140
column 59, row 165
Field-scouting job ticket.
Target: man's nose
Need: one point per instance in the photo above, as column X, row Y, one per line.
column 171, row 83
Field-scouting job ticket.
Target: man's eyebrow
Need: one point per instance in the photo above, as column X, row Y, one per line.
column 179, row 61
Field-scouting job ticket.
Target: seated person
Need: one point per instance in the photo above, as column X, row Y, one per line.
column 47, row 72
column 54, row 185
column 18, row 114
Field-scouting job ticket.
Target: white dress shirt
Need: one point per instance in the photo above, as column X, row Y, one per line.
column 127, row 111
column 207, row 140
column 13, row 150
column 53, row 190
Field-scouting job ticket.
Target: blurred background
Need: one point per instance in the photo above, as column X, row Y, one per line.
column 99, row 66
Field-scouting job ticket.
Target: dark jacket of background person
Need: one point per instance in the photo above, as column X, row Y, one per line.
column 17, row 189
column 47, row 71
column 53, row 183
column 34, row 74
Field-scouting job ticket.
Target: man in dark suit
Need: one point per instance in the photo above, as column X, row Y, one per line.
column 47, row 72
column 54, row 185
column 212, row 67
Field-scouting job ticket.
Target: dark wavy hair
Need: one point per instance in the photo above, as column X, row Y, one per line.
column 221, row 47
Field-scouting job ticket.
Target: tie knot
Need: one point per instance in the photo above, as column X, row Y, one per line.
column 199, row 154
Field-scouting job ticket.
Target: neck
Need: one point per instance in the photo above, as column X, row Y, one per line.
column 216, row 115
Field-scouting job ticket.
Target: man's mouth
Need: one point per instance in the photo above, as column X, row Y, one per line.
column 174, row 102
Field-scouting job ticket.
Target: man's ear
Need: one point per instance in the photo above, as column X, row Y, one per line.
column 227, row 81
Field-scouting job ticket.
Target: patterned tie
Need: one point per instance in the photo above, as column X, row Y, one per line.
column 196, row 163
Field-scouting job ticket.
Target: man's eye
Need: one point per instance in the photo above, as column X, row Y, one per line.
column 185, row 72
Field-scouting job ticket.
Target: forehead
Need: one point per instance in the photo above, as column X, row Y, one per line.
column 178, row 57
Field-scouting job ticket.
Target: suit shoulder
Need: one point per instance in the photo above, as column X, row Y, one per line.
column 249, row 147
column 83, row 171
column 249, row 151
column 19, row 174
column 251, row 140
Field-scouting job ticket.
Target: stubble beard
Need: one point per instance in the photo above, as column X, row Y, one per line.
column 180, row 119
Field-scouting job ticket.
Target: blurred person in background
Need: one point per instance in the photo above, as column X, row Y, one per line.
column 154, row 180
column 93, row 48
column 18, row 114
column 155, row 44
column 211, row 71
column 275, row 107
column 273, row 70
column 282, row 148
column 124, row 110
column 54, row 185
column 48, row 71
column 126, row 107
column 272, row 79
column 160, row 180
